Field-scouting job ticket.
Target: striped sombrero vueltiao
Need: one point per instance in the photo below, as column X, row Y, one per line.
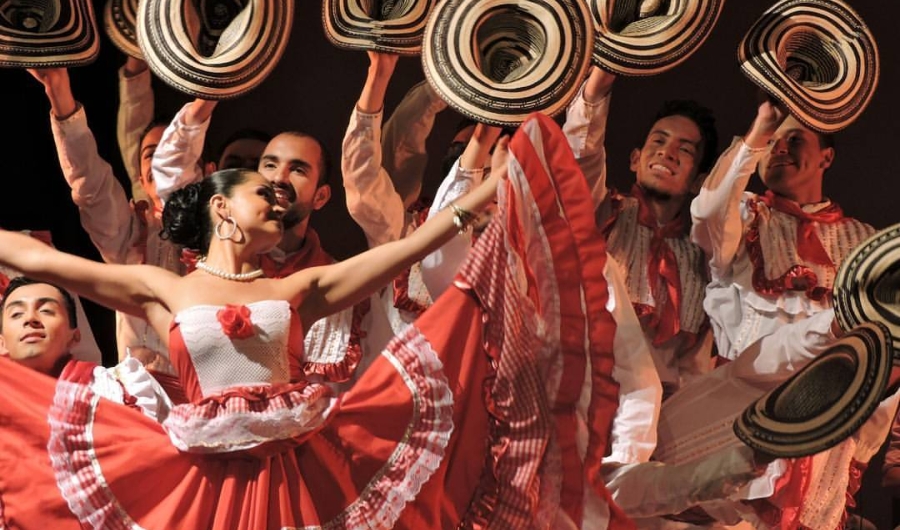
column 867, row 284
column 47, row 33
column 497, row 61
column 826, row 401
column 647, row 37
column 214, row 49
column 817, row 57
column 393, row 26
column 119, row 23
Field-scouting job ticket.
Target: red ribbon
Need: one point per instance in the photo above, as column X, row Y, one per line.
column 809, row 246
column 662, row 271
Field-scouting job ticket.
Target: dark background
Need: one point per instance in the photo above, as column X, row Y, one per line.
column 315, row 86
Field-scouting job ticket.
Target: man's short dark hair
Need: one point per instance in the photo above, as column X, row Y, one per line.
column 243, row 134
column 21, row 281
column 702, row 117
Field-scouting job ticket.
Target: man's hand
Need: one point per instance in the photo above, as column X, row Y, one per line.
column 58, row 90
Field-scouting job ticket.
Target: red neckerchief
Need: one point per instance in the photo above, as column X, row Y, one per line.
column 311, row 254
column 809, row 247
column 662, row 270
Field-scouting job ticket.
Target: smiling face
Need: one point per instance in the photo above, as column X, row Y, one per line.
column 293, row 163
column 795, row 164
column 668, row 162
column 254, row 207
column 36, row 326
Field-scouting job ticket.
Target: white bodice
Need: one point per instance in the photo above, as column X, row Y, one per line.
column 221, row 362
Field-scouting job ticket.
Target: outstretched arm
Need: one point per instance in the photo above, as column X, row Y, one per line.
column 716, row 211
column 136, row 107
column 585, row 129
column 133, row 289
column 371, row 198
column 177, row 159
column 323, row 290
column 105, row 212
column 404, row 137
column 439, row 267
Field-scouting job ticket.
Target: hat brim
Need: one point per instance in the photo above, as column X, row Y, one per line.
column 867, row 283
column 498, row 61
column 348, row 25
column 119, row 18
column 656, row 43
column 826, row 401
column 62, row 34
column 817, row 57
column 246, row 52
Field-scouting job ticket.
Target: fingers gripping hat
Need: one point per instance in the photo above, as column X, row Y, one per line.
column 867, row 285
column 817, row 57
column 213, row 49
column 497, row 61
column 47, row 33
column 119, row 22
column 826, row 401
column 394, row 26
column 646, row 37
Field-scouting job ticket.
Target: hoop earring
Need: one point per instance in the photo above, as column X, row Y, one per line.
column 230, row 222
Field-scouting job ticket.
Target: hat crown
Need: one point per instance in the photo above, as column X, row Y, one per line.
column 509, row 43
column 35, row 16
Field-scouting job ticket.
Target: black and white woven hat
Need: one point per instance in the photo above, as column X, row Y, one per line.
column 646, row 37
column 817, row 57
column 394, row 26
column 497, row 61
column 826, row 401
column 214, row 49
column 119, row 22
column 867, row 285
column 47, row 33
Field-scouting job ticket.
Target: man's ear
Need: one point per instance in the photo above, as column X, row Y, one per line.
column 827, row 158
column 209, row 168
column 322, row 196
column 74, row 339
column 635, row 159
column 4, row 351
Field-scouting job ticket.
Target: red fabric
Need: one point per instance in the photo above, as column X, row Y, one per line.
column 311, row 255
column 782, row 509
column 662, row 271
column 809, row 248
column 808, row 244
column 235, row 321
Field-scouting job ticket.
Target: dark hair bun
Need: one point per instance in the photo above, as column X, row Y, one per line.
column 182, row 217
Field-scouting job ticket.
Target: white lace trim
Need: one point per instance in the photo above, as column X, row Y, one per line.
column 130, row 374
column 327, row 339
column 235, row 427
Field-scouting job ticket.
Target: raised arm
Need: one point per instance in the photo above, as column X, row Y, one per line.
column 716, row 211
column 136, row 107
column 404, row 137
column 371, row 198
column 324, row 290
column 105, row 212
column 177, row 160
column 585, row 129
column 439, row 267
column 134, row 289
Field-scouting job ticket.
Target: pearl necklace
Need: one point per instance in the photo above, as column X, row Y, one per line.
column 234, row 276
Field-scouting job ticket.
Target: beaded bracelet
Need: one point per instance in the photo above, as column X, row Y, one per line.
column 463, row 219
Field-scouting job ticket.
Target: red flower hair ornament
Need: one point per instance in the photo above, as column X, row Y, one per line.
column 235, row 320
